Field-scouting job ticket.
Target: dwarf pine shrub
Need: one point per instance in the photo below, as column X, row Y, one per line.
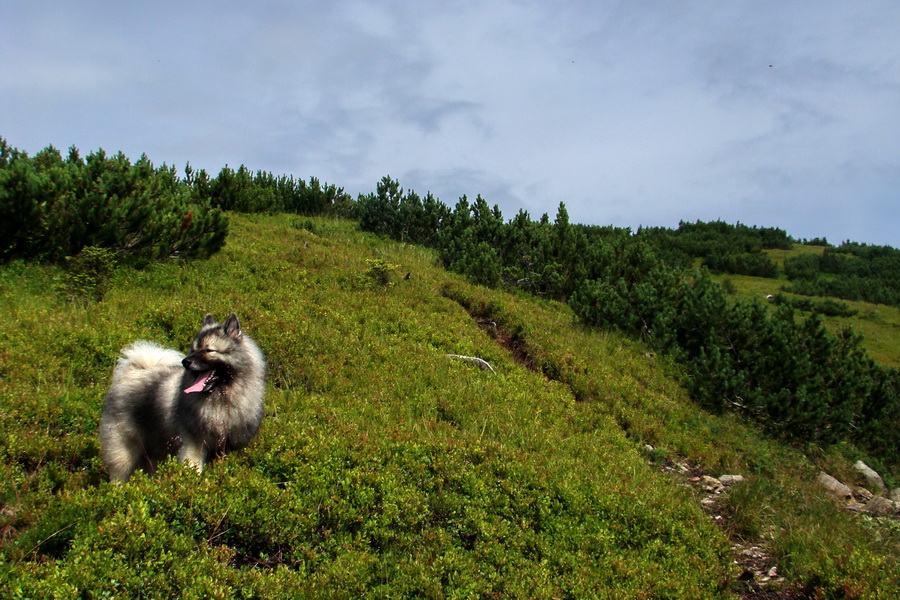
column 88, row 273
column 52, row 207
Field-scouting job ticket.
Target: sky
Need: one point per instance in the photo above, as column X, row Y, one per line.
column 770, row 113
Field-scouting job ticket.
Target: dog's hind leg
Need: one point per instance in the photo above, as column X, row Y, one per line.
column 121, row 459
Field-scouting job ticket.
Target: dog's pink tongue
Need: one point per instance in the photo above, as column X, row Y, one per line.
column 200, row 383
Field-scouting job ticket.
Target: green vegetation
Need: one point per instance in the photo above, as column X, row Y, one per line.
column 383, row 468
column 721, row 247
column 851, row 271
column 736, row 354
column 386, row 469
column 51, row 208
column 879, row 324
column 88, row 273
column 827, row 307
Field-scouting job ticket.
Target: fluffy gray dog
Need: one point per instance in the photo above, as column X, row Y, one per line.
column 198, row 406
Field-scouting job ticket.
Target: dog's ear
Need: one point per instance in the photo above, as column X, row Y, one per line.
column 233, row 327
column 209, row 320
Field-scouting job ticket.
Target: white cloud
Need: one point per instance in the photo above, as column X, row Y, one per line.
column 632, row 113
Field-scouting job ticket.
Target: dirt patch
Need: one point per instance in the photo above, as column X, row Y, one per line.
column 512, row 343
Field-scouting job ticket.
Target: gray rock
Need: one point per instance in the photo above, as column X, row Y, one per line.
column 895, row 495
column 880, row 506
column 834, row 486
column 864, row 493
column 728, row 480
column 872, row 479
column 711, row 484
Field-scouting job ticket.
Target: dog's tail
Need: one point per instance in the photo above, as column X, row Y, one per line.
column 143, row 355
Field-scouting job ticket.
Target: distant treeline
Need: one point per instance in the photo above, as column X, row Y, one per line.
column 721, row 247
column 52, row 207
column 790, row 373
column 851, row 271
column 826, row 306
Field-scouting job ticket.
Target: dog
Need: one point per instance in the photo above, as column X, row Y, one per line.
column 198, row 407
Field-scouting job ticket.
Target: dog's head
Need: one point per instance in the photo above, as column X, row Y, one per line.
column 212, row 354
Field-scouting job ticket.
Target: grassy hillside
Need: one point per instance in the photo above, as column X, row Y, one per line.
column 880, row 324
column 384, row 468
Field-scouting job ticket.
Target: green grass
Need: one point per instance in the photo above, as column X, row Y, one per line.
column 384, row 469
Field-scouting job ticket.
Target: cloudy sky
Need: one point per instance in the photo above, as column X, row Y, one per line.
column 774, row 113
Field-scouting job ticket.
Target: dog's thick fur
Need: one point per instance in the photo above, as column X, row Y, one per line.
column 197, row 406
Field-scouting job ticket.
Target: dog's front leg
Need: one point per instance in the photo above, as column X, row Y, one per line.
column 192, row 453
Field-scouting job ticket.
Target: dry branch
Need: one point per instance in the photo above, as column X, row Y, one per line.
column 479, row 362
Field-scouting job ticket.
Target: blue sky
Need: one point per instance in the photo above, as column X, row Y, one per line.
column 632, row 113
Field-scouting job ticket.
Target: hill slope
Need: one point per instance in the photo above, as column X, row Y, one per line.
column 879, row 323
column 384, row 467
